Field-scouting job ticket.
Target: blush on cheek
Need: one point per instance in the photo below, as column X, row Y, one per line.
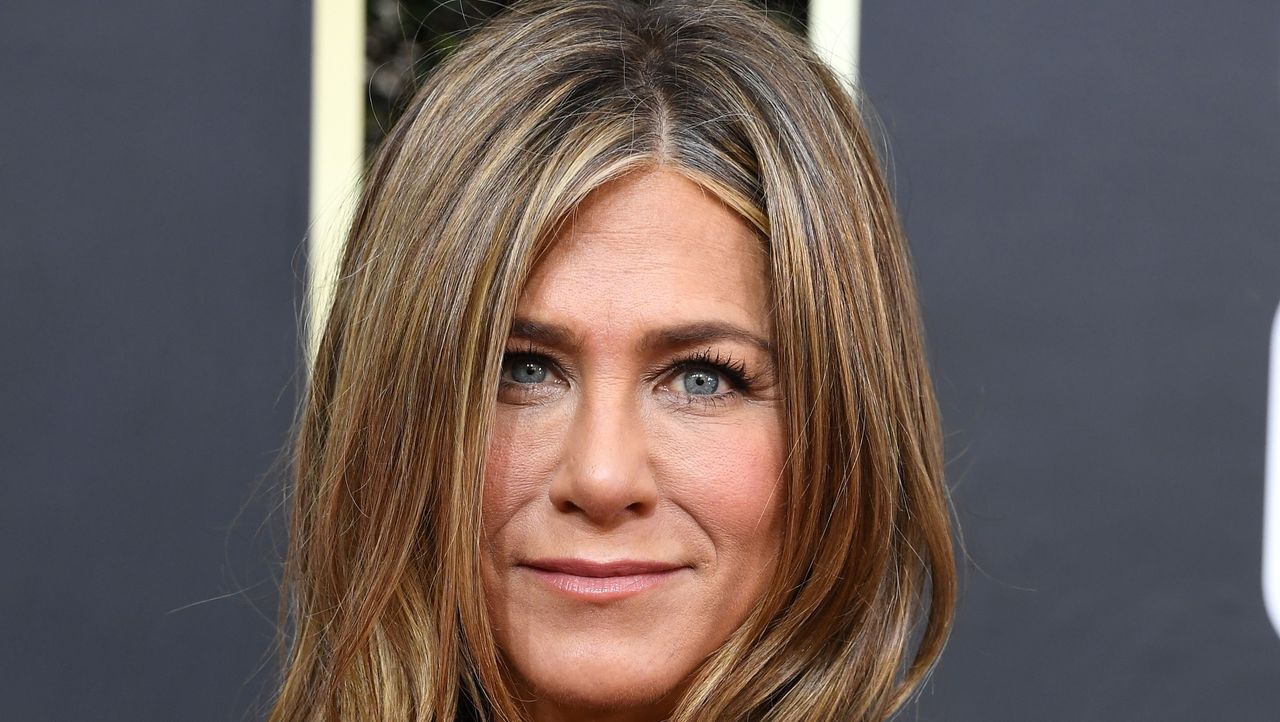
column 501, row 466
column 728, row 478
column 497, row 469
column 520, row 457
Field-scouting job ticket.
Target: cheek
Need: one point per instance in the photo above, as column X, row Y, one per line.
column 515, row 466
column 726, row 475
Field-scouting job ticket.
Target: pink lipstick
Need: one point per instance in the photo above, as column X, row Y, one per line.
column 601, row 581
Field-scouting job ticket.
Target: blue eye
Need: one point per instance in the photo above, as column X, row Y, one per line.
column 701, row 382
column 524, row 370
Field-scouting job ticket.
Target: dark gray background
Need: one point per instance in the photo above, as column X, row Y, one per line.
column 153, row 185
column 1091, row 191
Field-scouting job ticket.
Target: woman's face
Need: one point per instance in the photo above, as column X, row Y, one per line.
column 631, row 505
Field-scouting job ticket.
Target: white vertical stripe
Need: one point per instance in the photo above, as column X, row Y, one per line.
column 337, row 146
column 834, row 30
column 1271, row 521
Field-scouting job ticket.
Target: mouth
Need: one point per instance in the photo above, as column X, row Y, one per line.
column 595, row 581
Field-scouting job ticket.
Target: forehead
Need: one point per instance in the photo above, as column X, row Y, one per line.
column 651, row 249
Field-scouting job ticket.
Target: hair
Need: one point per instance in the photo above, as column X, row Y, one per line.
column 543, row 104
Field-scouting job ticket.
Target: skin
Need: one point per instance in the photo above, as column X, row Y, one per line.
column 605, row 448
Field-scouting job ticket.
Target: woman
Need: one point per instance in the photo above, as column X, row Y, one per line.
column 621, row 411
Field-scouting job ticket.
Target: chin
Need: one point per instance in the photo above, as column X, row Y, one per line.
column 602, row 678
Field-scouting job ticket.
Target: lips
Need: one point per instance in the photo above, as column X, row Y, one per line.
column 588, row 568
column 597, row 581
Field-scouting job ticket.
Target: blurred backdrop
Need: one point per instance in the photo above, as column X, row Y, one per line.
column 1092, row 193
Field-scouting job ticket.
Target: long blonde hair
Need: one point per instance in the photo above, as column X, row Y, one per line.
column 382, row 615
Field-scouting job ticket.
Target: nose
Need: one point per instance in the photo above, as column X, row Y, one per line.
column 605, row 475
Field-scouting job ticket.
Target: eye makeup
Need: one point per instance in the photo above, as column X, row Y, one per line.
column 742, row 381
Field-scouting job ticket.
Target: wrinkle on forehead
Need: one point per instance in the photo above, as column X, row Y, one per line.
column 648, row 247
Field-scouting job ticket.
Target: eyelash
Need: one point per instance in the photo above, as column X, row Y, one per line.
column 733, row 370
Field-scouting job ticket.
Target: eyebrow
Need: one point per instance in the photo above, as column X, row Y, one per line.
column 661, row 339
